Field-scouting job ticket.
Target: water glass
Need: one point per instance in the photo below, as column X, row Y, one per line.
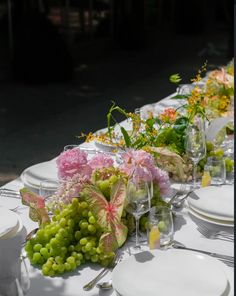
column 138, row 202
column 160, row 227
column 216, row 168
column 47, row 189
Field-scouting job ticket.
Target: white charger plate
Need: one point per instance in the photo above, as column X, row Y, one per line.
column 208, row 219
column 170, row 272
column 216, row 202
column 32, row 176
column 9, row 223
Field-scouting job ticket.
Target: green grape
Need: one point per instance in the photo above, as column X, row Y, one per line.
column 58, row 259
column 44, row 252
column 28, row 247
column 36, row 257
column 84, row 225
column 104, row 186
column 70, row 260
column 162, row 226
column 88, row 246
column 94, row 258
column 209, row 146
column 61, row 268
column 84, row 205
column 45, row 270
column 91, row 228
column 71, row 248
column 229, row 165
column 77, row 262
column 85, row 213
column 67, row 266
column 75, row 201
column 113, row 179
column 83, row 241
column 92, row 220
column 77, row 235
column 55, row 267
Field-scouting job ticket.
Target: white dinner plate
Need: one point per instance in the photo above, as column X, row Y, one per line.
column 208, row 219
column 215, row 202
column 9, row 222
column 32, row 176
column 170, row 272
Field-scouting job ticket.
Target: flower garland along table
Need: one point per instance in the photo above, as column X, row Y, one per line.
column 71, row 283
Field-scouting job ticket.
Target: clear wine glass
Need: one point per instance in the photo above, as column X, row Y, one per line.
column 195, row 146
column 138, row 201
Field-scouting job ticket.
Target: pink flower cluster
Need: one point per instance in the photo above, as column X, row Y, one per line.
column 143, row 164
column 75, row 161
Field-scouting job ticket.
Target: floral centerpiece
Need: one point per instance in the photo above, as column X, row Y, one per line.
column 89, row 219
column 164, row 135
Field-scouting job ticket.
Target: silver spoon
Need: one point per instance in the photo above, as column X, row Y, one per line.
column 30, row 235
column 105, row 285
column 178, row 203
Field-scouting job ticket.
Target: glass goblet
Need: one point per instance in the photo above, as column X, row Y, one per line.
column 138, row 201
column 195, row 147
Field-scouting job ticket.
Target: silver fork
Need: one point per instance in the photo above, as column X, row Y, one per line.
column 9, row 192
column 104, row 271
column 211, row 234
column 179, row 192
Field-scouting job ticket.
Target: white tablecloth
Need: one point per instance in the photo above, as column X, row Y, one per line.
column 71, row 283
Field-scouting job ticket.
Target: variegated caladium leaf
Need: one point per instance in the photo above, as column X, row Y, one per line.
column 108, row 214
column 38, row 211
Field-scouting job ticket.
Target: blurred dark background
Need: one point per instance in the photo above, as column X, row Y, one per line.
column 63, row 61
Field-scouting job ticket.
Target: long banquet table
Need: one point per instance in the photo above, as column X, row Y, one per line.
column 71, row 284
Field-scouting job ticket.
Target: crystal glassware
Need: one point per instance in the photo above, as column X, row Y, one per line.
column 138, row 201
column 195, row 145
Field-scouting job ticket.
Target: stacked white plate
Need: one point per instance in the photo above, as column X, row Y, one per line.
column 35, row 174
column 12, row 234
column 172, row 272
column 10, row 223
column 213, row 204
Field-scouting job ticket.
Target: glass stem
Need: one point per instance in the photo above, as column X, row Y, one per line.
column 194, row 175
column 137, row 233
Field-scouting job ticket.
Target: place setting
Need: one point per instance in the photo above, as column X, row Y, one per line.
column 103, row 219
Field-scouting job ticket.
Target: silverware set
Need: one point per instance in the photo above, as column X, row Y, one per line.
column 214, row 234
column 180, row 196
column 103, row 272
column 228, row 260
column 9, row 193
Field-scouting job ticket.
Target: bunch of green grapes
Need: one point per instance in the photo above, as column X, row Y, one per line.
column 105, row 178
column 68, row 241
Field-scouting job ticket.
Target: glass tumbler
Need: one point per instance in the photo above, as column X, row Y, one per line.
column 216, row 168
column 160, row 227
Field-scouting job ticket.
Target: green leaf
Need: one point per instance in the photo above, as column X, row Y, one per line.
column 150, row 122
column 108, row 214
column 38, row 211
column 126, row 137
column 180, row 97
column 175, row 78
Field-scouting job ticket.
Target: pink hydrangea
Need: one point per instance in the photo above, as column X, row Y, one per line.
column 100, row 160
column 138, row 160
column 71, row 162
column 71, row 187
column 143, row 165
column 162, row 179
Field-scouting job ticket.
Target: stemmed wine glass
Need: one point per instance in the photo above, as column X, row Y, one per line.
column 195, row 145
column 138, row 201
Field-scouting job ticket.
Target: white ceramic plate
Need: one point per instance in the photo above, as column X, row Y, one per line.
column 32, row 176
column 8, row 222
column 215, row 202
column 170, row 272
column 208, row 219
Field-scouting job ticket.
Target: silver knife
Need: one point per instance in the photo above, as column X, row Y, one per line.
column 219, row 256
